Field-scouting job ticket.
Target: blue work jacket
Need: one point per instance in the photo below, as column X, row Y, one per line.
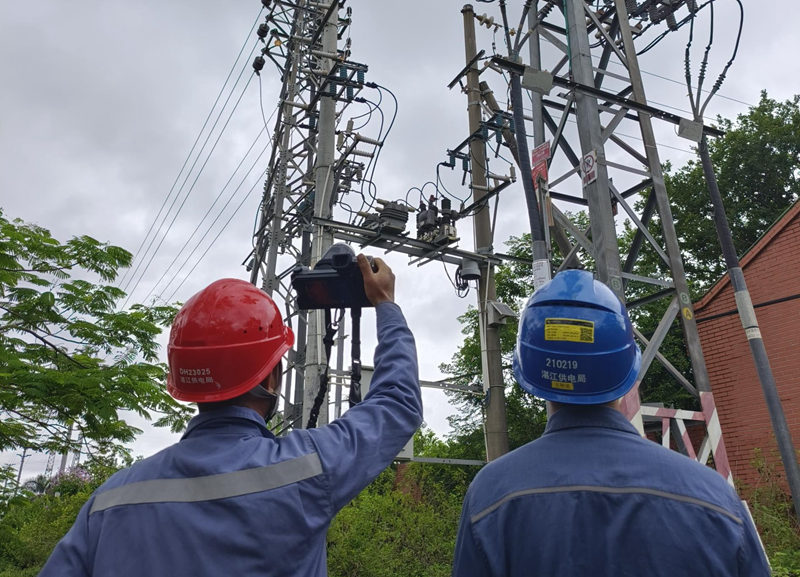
column 593, row 498
column 232, row 499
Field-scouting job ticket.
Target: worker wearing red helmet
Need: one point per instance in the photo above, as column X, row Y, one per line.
column 230, row 498
column 591, row 496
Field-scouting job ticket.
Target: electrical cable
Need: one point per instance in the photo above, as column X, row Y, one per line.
column 183, row 184
column 381, row 135
column 368, row 114
column 205, row 216
column 420, row 190
column 219, row 215
column 461, row 286
column 704, row 63
column 189, row 274
column 261, row 105
column 197, row 139
column 506, row 30
column 722, row 75
column 186, row 196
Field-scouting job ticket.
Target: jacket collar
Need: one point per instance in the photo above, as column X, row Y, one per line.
column 580, row 416
column 232, row 418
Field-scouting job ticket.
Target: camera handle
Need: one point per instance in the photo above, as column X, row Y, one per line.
column 355, row 354
column 331, row 327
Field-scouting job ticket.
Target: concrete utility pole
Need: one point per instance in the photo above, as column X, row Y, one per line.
column 322, row 240
column 495, row 426
column 747, row 314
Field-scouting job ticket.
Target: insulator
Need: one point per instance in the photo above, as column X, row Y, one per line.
column 342, row 72
column 263, row 30
column 691, row 5
column 631, row 5
column 258, row 64
column 653, row 12
column 487, row 21
column 360, row 76
column 671, row 22
column 350, row 93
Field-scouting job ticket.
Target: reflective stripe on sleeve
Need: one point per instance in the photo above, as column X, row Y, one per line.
column 609, row 490
column 211, row 487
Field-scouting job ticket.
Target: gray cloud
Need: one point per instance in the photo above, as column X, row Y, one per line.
column 101, row 102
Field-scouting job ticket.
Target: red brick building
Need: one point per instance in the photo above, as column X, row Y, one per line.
column 772, row 271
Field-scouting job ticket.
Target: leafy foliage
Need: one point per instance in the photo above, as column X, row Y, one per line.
column 31, row 524
column 386, row 532
column 757, row 164
column 773, row 514
column 69, row 358
column 405, row 522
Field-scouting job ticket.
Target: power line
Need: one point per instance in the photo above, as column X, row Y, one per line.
column 191, row 188
column 191, row 151
column 205, row 216
column 172, row 295
column 185, row 180
column 227, row 203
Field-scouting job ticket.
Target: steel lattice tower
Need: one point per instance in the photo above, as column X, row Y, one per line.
column 584, row 50
column 583, row 68
column 317, row 81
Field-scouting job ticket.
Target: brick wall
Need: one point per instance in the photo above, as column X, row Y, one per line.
column 772, row 272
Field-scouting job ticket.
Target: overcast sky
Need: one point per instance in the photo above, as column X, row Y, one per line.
column 101, row 102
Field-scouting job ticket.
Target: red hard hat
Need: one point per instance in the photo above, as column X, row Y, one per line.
column 224, row 341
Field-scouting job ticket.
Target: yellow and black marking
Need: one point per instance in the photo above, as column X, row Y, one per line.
column 571, row 330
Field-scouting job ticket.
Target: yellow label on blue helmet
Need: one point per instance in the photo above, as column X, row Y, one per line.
column 563, row 386
column 572, row 330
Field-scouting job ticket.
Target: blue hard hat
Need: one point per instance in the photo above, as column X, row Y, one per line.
column 575, row 342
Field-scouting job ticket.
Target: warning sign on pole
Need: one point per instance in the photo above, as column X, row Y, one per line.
column 539, row 157
column 589, row 167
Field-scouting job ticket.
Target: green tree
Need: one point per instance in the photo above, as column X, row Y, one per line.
column 757, row 164
column 31, row 524
column 71, row 361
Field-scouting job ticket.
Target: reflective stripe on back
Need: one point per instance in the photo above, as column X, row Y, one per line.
column 211, row 487
column 608, row 490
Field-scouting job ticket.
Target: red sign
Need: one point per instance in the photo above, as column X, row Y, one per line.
column 539, row 158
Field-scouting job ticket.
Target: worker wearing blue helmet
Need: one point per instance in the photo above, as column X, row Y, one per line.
column 591, row 496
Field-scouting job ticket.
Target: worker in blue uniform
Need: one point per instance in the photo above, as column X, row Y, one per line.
column 230, row 498
column 591, row 496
